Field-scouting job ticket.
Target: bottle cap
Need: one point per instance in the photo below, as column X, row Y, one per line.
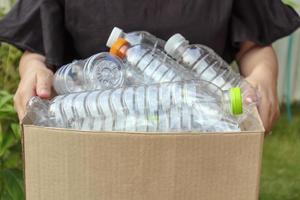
column 114, row 35
column 173, row 43
column 116, row 48
column 236, row 101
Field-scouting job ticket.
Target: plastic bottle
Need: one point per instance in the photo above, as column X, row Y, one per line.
column 155, row 65
column 203, row 62
column 177, row 106
column 100, row 71
column 135, row 38
column 156, row 124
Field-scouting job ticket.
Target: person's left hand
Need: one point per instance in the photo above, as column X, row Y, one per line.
column 259, row 65
column 268, row 106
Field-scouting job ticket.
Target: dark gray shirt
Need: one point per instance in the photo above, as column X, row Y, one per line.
column 63, row 30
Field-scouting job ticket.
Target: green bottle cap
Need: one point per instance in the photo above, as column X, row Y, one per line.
column 236, row 101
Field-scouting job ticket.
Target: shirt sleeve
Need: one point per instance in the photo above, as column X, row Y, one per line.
column 37, row 26
column 261, row 21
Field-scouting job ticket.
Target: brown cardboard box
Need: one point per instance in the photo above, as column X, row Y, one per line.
column 66, row 164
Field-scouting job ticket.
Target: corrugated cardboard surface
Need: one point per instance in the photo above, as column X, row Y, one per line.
column 65, row 164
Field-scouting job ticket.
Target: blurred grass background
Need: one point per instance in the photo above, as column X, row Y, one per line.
column 280, row 178
column 281, row 159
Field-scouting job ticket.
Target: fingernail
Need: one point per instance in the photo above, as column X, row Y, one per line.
column 43, row 93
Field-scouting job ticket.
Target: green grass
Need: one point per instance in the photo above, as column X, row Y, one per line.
column 9, row 58
column 281, row 160
column 11, row 179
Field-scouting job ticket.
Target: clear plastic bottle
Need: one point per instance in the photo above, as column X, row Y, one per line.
column 203, row 62
column 100, row 71
column 183, row 105
column 155, row 65
column 158, row 123
column 135, row 38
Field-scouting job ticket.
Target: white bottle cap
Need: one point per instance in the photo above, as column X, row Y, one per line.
column 115, row 34
column 173, row 43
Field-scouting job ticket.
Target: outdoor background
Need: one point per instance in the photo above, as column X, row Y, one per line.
column 281, row 159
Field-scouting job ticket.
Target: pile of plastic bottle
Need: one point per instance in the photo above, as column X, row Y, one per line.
column 144, row 84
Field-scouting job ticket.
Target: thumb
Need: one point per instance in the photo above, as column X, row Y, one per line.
column 43, row 85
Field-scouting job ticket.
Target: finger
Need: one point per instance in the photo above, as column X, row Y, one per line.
column 25, row 100
column 43, row 85
column 270, row 118
column 18, row 107
column 25, row 91
column 274, row 114
column 264, row 111
column 21, row 114
column 277, row 113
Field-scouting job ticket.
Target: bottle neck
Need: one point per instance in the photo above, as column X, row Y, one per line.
column 119, row 48
column 120, row 51
column 180, row 50
column 123, row 49
column 227, row 102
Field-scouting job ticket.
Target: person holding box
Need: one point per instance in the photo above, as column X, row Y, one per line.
column 54, row 32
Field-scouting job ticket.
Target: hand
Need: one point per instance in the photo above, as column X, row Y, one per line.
column 268, row 106
column 36, row 80
column 260, row 67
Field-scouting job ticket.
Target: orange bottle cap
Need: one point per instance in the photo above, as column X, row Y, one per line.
column 117, row 46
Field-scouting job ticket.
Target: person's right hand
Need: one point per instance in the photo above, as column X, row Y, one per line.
column 36, row 80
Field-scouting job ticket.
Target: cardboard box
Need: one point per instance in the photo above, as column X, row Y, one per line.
column 67, row 164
